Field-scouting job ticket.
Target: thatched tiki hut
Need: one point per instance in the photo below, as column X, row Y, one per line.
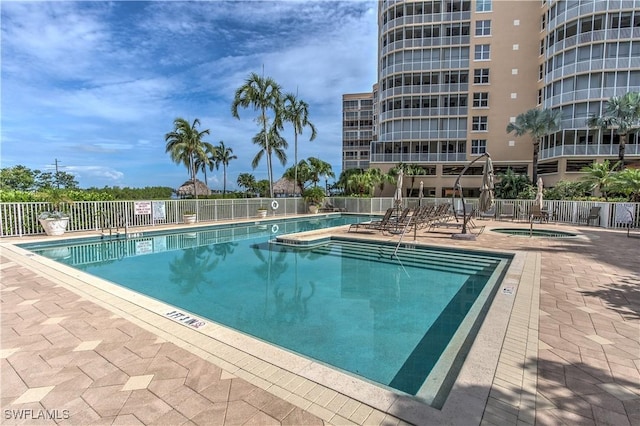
column 286, row 188
column 186, row 189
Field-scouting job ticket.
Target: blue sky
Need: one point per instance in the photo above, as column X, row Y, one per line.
column 97, row 85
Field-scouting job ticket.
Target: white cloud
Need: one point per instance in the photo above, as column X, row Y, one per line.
column 107, row 82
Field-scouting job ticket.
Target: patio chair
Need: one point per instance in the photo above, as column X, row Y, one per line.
column 536, row 213
column 375, row 225
column 594, row 214
column 507, row 212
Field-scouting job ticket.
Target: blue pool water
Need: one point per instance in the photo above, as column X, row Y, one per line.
column 346, row 303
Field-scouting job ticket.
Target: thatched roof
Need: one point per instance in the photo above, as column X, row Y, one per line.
column 286, row 186
column 187, row 188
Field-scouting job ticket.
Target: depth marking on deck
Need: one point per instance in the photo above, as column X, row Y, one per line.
column 188, row 320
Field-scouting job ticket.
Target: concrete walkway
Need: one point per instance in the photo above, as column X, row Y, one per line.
column 65, row 359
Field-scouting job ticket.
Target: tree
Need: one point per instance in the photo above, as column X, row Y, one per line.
column 319, row 168
column 600, row 176
column 627, row 181
column 300, row 174
column 510, row 185
column 277, row 146
column 296, row 112
column 222, row 156
column 185, row 145
column 409, row 170
column 363, row 182
column 19, row 178
column 621, row 114
column 208, row 161
column 264, row 95
column 537, row 123
column 247, row 181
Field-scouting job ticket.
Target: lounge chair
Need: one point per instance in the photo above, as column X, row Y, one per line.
column 397, row 223
column 374, row 224
column 594, row 214
column 507, row 212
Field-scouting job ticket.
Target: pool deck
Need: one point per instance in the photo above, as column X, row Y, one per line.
column 560, row 345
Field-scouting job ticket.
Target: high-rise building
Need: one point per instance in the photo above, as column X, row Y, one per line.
column 357, row 130
column 453, row 73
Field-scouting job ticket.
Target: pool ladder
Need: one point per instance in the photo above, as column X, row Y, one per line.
column 121, row 223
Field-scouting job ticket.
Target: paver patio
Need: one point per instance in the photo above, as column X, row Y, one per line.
column 578, row 333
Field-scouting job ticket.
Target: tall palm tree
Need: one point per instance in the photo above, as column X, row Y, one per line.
column 537, row 123
column 223, row 156
column 600, row 176
column 246, row 181
column 208, row 161
column 262, row 94
column 185, row 145
column 296, row 111
column 277, row 146
column 621, row 114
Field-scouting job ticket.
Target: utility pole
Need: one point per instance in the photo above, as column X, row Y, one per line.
column 57, row 176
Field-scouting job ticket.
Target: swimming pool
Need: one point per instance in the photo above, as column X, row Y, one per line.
column 346, row 303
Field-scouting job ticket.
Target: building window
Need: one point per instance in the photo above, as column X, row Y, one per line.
column 483, row 28
column 482, row 52
column 479, row 124
column 480, row 100
column 483, row 5
column 481, row 76
column 478, row 146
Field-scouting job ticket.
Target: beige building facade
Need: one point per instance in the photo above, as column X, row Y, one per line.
column 453, row 73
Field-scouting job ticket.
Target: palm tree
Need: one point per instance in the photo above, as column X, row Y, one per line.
column 185, row 145
column 363, row 182
column 319, row 168
column 208, row 161
column 296, row 112
column 223, row 156
column 537, row 123
column 628, row 182
column 300, row 174
column 409, row 170
column 264, row 95
column 621, row 114
column 277, row 146
column 246, row 181
column 511, row 185
column 600, row 176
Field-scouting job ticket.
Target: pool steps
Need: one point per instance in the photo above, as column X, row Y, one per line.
column 465, row 263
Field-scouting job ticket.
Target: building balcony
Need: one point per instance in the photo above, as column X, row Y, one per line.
column 420, row 89
column 595, row 150
column 418, row 157
column 423, row 112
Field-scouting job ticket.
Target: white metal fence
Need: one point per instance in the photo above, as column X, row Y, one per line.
column 18, row 219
